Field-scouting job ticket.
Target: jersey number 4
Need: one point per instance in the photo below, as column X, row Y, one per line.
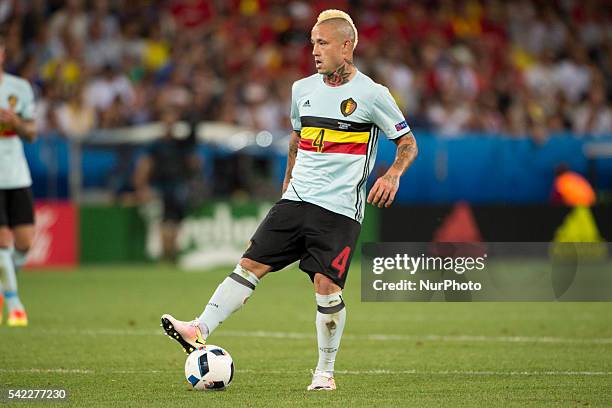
column 341, row 260
column 318, row 141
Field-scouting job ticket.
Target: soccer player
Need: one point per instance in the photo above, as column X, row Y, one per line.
column 16, row 209
column 337, row 115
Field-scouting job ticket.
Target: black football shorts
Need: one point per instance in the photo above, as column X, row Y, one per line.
column 16, row 207
column 322, row 240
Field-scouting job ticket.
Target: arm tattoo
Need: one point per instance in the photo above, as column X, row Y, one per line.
column 293, row 147
column 406, row 153
column 292, row 154
column 391, row 179
column 341, row 75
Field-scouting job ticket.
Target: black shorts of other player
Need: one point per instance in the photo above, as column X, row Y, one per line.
column 175, row 200
column 323, row 241
column 16, row 207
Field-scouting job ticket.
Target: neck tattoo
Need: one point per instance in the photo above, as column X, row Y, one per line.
column 341, row 75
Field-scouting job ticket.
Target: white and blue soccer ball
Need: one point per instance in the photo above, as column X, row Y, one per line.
column 209, row 368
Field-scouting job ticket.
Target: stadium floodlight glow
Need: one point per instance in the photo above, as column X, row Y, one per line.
column 264, row 138
column 240, row 140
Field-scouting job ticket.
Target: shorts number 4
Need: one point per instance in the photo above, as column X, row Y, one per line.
column 341, row 260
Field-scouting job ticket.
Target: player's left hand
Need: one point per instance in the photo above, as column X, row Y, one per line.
column 384, row 190
column 8, row 117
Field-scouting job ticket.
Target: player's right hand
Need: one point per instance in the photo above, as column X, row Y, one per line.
column 9, row 117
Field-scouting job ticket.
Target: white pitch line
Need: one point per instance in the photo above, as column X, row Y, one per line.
column 45, row 371
column 339, row 372
column 500, row 339
column 374, row 337
column 424, row 337
column 444, row 372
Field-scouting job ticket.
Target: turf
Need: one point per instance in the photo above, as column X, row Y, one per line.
column 94, row 332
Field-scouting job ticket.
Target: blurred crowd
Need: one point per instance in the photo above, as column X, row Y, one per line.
column 522, row 67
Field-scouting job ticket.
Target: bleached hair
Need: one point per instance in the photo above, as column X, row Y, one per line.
column 341, row 15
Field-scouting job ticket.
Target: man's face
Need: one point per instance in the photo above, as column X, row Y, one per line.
column 328, row 48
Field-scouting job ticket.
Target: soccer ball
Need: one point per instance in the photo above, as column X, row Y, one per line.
column 209, row 368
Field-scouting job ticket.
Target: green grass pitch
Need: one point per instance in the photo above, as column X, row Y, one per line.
column 95, row 332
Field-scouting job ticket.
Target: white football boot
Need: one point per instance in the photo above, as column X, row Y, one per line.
column 188, row 334
column 322, row 381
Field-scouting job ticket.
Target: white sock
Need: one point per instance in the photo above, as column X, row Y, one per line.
column 331, row 317
column 230, row 295
column 19, row 258
column 9, row 279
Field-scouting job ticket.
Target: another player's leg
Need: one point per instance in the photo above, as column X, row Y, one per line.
column 330, row 321
column 1, row 301
column 230, row 295
column 5, row 240
column 23, row 238
column 19, row 257
column 17, row 228
column 16, row 313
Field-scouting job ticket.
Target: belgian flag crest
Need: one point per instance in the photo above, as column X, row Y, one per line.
column 348, row 106
column 12, row 101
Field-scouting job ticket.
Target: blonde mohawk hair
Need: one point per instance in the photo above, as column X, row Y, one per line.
column 333, row 13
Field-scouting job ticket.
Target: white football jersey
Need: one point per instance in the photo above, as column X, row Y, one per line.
column 339, row 128
column 15, row 94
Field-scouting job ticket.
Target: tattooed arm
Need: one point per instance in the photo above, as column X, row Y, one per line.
column 384, row 190
column 294, row 141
